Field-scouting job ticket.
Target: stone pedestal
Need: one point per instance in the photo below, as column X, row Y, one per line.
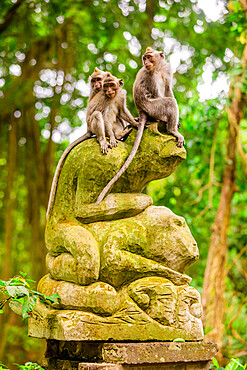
column 119, row 267
column 78, row 355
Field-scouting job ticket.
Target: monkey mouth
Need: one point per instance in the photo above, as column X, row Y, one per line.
column 148, row 67
column 110, row 95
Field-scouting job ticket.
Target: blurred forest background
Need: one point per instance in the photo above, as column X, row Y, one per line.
column 48, row 49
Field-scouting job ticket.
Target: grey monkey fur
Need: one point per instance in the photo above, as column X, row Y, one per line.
column 154, row 99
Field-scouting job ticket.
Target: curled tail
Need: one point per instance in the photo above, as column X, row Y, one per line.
column 59, row 169
column 127, row 162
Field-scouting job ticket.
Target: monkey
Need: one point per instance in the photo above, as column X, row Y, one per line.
column 106, row 109
column 153, row 94
column 96, row 79
column 154, row 100
column 119, row 129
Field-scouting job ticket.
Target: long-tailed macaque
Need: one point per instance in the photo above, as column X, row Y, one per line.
column 154, row 100
column 106, row 95
column 106, row 110
column 96, row 79
column 153, row 94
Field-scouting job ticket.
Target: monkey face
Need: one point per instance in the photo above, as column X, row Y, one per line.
column 148, row 61
column 110, row 89
column 96, row 83
column 151, row 59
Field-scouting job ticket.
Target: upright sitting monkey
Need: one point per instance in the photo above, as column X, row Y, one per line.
column 154, row 100
column 105, row 110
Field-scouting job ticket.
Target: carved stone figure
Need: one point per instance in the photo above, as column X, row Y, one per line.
column 119, row 267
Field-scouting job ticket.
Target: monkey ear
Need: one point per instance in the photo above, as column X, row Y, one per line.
column 121, row 83
column 162, row 55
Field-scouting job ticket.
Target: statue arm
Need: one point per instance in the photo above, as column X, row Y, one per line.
column 113, row 207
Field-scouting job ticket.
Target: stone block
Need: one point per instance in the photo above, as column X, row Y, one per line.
column 138, row 356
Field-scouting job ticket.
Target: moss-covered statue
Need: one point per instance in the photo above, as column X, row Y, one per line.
column 119, row 266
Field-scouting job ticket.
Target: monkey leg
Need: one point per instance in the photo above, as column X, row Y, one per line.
column 98, row 128
column 172, row 128
column 73, row 254
column 119, row 124
column 110, row 132
column 166, row 109
column 122, row 134
column 127, row 116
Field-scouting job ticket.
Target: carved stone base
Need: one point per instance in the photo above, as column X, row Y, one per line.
column 138, row 356
column 128, row 324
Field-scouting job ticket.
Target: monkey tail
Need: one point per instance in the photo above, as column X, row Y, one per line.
column 86, row 136
column 127, row 162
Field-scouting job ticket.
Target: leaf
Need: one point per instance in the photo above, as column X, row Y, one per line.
column 25, row 309
column 234, row 365
column 17, row 291
column 215, row 362
column 53, row 298
column 16, row 307
column 179, row 340
column 24, row 274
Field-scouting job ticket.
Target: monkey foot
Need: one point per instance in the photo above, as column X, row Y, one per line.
column 180, row 142
column 104, row 147
column 113, row 143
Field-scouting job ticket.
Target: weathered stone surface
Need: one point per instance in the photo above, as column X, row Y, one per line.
column 177, row 366
column 149, row 309
column 86, row 171
column 144, row 353
column 138, row 356
column 103, row 366
column 99, row 298
column 114, row 206
column 117, row 267
column 57, row 364
column 131, row 353
column 155, row 242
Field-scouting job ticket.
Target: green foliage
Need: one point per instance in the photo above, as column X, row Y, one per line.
column 21, row 297
column 27, row 366
column 234, row 364
column 30, row 366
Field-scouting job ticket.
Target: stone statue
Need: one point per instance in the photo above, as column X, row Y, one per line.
column 119, row 266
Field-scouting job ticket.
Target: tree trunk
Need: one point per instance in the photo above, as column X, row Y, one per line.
column 35, row 178
column 9, row 199
column 215, row 273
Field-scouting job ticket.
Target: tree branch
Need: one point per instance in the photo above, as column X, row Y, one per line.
column 10, row 15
